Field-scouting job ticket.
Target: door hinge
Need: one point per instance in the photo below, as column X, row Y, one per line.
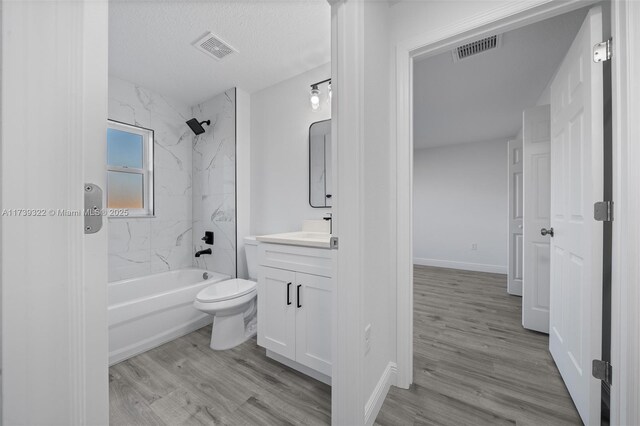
column 333, row 243
column 603, row 211
column 602, row 370
column 602, row 51
column 92, row 208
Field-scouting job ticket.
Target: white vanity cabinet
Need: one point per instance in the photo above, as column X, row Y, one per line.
column 294, row 306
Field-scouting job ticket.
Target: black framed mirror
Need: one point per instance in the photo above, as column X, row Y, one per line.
column 320, row 176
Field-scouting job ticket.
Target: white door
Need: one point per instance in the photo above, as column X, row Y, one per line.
column 514, row 282
column 576, row 247
column 536, row 128
column 277, row 311
column 54, row 277
column 313, row 329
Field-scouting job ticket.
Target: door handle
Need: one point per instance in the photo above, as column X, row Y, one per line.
column 545, row 231
column 288, row 294
column 298, row 295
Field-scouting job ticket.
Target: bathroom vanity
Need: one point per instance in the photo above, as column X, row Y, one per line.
column 294, row 301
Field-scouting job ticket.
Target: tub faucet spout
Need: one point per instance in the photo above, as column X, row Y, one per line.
column 201, row 252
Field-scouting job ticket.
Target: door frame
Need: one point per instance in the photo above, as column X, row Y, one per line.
column 626, row 234
column 625, row 295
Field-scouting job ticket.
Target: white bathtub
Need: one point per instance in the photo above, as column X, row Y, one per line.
column 149, row 311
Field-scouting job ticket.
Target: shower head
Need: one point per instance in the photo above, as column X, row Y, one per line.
column 196, row 126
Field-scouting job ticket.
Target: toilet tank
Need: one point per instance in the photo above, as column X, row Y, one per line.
column 251, row 253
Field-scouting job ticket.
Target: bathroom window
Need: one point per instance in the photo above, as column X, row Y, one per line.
column 129, row 169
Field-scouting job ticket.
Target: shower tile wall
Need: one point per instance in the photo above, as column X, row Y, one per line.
column 142, row 246
column 214, row 183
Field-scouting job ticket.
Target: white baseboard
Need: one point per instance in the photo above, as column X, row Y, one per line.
column 372, row 408
column 465, row 266
column 515, row 289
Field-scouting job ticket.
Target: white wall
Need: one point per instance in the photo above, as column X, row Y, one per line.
column 413, row 18
column 280, row 120
column 460, row 199
column 378, row 291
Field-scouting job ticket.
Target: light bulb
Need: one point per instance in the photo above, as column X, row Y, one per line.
column 314, row 98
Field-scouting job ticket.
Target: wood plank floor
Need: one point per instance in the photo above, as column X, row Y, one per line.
column 184, row 382
column 473, row 364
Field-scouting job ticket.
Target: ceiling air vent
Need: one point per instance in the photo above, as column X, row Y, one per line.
column 475, row 47
column 214, row 46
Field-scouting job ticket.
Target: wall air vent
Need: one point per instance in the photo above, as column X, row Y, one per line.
column 214, row 46
column 476, row 47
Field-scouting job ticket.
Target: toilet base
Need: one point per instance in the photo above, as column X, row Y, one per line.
column 228, row 332
column 234, row 320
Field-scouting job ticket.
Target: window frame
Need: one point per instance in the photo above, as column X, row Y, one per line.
column 147, row 172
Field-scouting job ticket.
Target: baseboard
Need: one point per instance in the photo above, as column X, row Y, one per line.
column 465, row 266
column 372, row 408
column 515, row 289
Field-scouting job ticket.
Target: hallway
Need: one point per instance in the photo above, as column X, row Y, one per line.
column 473, row 362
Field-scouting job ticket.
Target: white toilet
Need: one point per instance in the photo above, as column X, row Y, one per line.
column 232, row 304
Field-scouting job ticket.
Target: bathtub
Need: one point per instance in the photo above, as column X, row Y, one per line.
column 148, row 311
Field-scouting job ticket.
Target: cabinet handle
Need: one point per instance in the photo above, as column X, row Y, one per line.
column 298, row 295
column 288, row 294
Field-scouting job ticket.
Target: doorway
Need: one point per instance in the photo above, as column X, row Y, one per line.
column 592, row 268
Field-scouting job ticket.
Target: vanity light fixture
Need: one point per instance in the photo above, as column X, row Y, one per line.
column 315, row 98
column 314, row 95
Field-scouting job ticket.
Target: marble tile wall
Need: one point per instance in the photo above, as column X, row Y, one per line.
column 214, row 183
column 142, row 246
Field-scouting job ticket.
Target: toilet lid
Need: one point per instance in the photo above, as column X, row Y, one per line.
column 225, row 290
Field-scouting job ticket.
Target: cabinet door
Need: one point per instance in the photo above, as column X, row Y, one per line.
column 277, row 311
column 313, row 322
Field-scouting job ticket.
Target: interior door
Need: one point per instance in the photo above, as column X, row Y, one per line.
column 276, row 311
column 536, row 129
column 313, row 330
column 576, row 247
column 514, row 282
column 54, row 276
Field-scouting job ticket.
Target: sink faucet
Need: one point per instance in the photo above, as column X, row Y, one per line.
column 329, row 217
column 201, row 252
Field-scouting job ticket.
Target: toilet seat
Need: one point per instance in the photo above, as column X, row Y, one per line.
column 226, row 290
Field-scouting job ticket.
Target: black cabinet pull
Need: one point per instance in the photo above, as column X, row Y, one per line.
column 288, row 293
column 298, row 295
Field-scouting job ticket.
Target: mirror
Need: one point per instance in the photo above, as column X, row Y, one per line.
column 320, row 178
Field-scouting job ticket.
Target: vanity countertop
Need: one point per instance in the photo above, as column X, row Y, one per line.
column 300, row 238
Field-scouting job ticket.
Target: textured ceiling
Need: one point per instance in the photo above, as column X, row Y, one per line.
column 150, row 43
column 482, row 97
